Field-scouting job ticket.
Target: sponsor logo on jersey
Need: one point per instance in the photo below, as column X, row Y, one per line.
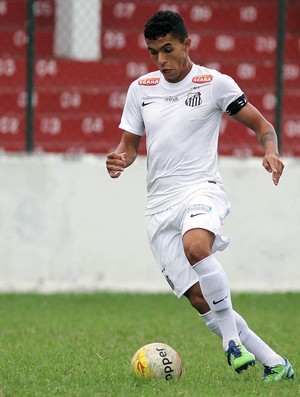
column 204, row 78
column 146, row 103
column 171, row 99
column 149, row 81
column 193, row 99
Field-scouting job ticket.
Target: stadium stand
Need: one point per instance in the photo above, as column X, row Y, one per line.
column 78, row 103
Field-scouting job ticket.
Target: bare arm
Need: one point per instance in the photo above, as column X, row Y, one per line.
column 266, row 136
column 124, row 155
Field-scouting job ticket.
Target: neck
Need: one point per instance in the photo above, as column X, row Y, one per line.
column 188, row 67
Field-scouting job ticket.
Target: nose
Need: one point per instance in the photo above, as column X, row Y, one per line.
column 161, row 58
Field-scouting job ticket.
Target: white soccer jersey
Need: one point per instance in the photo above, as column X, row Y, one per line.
column 182, row 122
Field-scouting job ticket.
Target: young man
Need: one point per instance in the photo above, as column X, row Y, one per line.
column 180, row 107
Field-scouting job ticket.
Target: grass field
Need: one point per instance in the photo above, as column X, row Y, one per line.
column 82, row 344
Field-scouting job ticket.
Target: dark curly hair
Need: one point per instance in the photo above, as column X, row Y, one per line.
column 165, row 22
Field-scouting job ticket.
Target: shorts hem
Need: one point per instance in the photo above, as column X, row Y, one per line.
column 181, row 293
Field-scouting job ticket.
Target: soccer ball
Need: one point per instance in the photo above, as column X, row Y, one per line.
column 156, row 361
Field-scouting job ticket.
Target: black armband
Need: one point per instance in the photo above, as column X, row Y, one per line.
column 236, row 105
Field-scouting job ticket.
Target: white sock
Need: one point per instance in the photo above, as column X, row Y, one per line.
column 253, row 343
column 215, row 289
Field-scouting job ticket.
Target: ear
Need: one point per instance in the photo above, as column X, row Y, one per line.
column 187, row 43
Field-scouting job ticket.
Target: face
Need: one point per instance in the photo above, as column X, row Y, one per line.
column 171, row 57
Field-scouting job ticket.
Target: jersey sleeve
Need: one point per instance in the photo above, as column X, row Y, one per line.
column 131, row 119
column 225, row 91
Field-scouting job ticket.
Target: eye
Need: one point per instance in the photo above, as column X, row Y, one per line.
column 168, row 50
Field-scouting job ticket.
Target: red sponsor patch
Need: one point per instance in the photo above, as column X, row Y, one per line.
column 149, row 81
column 204, row 78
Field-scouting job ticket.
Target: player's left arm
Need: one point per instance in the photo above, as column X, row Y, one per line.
column 266, row 135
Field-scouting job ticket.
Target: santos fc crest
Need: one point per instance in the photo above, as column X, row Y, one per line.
column 193, row 99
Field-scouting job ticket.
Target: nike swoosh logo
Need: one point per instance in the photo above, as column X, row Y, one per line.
column 200, row 213
column 146, row 103
column 221, row 300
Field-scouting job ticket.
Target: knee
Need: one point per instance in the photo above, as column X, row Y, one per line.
column 196, row 251
column 198, row 244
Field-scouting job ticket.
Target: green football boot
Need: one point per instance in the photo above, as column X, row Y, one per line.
column 273, row 374
column 239, row 357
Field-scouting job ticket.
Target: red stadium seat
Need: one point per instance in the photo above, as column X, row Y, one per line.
column 86, row 132
column 207, row 46
column 107, row 73
column 59, row 100
column 12, row 72
column 266, row 101
column 208, row 16
column 292, row 47
column 291, row 136
column 249, row 16
column 237, row 140
column 251, row 75
column 61, row 133
column 14, row 13
column 12, row 131
column 14, row 41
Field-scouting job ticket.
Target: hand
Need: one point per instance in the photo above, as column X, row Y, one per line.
column 274, row 165
column 115, row 164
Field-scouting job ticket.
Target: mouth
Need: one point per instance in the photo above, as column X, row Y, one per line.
column 166, row 72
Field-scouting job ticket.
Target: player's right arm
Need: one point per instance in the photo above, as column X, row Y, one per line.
column 124, row 155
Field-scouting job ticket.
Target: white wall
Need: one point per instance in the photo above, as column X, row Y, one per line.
column 77, row 33
column 65, row 225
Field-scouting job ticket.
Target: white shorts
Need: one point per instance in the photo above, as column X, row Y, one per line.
column 206, row 209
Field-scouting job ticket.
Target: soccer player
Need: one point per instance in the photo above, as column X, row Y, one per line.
column 180, row 107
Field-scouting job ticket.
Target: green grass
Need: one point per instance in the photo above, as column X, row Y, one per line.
column 81, row 345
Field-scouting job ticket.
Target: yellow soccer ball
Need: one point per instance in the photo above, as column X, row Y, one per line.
column 157, row 361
